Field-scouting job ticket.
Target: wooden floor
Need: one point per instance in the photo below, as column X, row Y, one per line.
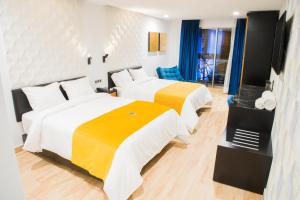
column 178, row 172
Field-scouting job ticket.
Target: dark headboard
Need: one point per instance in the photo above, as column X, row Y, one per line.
column 21, row 102
column 111, row 83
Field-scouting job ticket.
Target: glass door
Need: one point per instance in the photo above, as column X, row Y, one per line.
column 213, row 55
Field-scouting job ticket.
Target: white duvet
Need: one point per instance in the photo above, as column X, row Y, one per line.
column 52, row 130
column 146, row 90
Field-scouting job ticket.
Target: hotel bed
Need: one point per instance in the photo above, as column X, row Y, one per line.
column 147, row 87
column 53, row 129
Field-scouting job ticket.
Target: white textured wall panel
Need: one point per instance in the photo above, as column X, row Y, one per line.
column 284, row 179
column 128, row 40
column 48, row 40
column 42, row 40
column 124, row 35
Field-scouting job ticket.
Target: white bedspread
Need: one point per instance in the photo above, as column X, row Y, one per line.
column 52, row 129
column 146, row 90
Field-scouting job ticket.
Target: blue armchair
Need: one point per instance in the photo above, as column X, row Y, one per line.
column 172, row 73
column 169, row 73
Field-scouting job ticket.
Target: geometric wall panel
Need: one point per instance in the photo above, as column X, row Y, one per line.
column 42, row 40
column 284, row 179
column 127, row 43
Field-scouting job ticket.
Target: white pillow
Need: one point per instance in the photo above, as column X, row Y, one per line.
column 77, row 88
column 44, row 97
column 122, row 78
column 138, row 74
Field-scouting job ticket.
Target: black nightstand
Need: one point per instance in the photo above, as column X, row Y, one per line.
column 112, row 91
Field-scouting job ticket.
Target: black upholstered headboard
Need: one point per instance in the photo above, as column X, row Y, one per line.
column 111, row 83
column 21, row 102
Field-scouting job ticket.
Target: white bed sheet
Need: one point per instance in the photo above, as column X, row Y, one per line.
column 146, row 90
column 27, row 119
column 52, row 129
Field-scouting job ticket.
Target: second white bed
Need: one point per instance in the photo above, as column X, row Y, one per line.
column 146, row 89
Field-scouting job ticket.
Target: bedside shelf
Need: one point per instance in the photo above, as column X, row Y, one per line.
column 112, row 91
column 244, row 154
column 242, row 165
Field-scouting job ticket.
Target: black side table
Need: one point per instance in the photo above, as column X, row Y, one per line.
column 112, row 91
column 244, row 154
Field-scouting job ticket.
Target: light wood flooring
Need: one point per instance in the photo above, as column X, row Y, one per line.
column 178, row 173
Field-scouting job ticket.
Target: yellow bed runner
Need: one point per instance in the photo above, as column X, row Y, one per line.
column 95, row 142
column 175, row 94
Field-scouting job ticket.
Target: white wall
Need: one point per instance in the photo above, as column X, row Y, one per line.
column 10, row 183
column 127, row 41
column 93, row 26
column 174, row 42
column 123, row 35
column 217, row 23
column 16, row 130
column 284, row 179
column 42, row 40
column 42, row 44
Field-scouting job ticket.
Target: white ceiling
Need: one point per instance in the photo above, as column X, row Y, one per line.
column 193, row 9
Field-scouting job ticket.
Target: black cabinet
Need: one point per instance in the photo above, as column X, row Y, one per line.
column 261, row 27
column 247, row 169
column 244, row 154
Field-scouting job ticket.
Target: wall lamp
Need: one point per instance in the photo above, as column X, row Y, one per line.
column 104, row 58
column 89, row 60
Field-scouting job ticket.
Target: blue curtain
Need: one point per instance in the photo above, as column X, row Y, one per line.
column 199, row 51
column 189, row 45
column 237, row 56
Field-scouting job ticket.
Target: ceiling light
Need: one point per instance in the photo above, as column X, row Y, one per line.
column 236, row 13
column 166, row 16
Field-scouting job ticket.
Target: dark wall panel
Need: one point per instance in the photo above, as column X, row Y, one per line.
column 259, row 47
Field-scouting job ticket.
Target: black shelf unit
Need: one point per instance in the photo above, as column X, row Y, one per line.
column 244, row 154
column 261, row 27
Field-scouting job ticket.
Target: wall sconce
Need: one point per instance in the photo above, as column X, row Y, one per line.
column 104, row 57
column 89, row 60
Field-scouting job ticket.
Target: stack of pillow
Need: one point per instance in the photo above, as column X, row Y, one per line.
column 41, row 98
column 266, row 101
column 126, row 77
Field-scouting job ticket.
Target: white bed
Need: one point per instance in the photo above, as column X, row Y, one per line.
column 52, row 129
column 147, row 88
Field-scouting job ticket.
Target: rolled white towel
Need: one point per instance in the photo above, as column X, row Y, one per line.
column 269, row 103
column 259, row 103
column 267, row 95
column 269, row 100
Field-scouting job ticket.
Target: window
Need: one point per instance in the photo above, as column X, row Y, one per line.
column 213, row 55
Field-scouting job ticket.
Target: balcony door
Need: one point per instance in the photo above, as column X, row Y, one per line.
column 213, row 55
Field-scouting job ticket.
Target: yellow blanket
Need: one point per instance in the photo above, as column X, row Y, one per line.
column 175, row 94
column 95, row 142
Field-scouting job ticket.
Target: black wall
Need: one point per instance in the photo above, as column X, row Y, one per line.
column 259, row 47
